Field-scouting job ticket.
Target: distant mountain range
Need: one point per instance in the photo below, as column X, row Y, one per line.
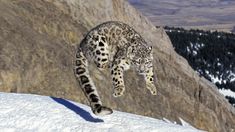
column 199, row 14
column 211, row 55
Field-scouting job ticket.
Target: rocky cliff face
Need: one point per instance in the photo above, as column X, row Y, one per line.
column 37, row 45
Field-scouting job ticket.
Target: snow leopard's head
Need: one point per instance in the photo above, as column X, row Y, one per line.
column 142, row 59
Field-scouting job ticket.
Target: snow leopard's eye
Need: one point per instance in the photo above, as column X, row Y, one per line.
column 137, row 61
column 147, row 62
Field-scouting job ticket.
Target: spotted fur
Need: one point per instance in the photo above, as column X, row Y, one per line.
column 116, row 46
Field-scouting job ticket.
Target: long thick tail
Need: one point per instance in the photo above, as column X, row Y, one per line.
column 87, row 85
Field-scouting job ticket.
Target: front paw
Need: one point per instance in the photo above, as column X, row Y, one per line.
column 152, row 89
column 118, row 91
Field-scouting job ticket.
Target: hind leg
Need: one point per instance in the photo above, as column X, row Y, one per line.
column 101, row 53
column 87, row 85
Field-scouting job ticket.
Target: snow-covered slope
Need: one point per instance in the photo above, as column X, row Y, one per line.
column 30, row 113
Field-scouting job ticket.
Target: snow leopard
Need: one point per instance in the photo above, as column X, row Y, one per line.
column 116, row 46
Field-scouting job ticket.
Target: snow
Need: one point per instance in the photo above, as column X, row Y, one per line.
column 227, row 92
column 215, row 79
column 194, row 48
column 232, row 76
column 194, row 52
column 218, row 64
column 168, row 121
column 184, row 123
column 34, row 113
column 191, row 44
column 229, row 53
column 188, row 49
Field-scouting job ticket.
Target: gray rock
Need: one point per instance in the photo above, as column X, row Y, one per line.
column 37, row 46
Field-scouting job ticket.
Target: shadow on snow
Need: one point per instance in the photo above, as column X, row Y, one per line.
column 81, row 112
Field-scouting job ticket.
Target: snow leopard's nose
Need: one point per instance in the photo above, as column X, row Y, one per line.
column 141, row 72
column 141, row 69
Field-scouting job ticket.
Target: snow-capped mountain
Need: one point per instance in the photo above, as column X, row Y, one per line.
column 34, row 113
column 211, row 54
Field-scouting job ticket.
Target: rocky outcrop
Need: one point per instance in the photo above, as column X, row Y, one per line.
column 37, row 45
